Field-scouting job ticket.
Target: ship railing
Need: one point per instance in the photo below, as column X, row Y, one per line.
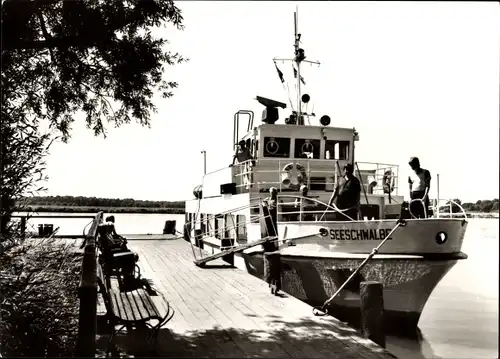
column 447, row 208
column 232, row 231
column 266, row 172
column 292, row 208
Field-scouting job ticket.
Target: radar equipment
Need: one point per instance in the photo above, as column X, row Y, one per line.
column 270, row 114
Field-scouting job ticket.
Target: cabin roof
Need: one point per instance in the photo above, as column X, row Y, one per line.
column 294, row 128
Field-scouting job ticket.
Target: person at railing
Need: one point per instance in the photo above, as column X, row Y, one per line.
column 242, row 153
column 269, row 208
column 347, row 195
column 305, row 205
column 420, row 183
column 244, row 157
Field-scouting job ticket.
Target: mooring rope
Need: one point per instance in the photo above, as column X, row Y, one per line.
column 323, row 310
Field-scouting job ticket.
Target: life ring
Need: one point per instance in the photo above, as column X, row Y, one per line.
column 293, row 175
column 272, row 143
column 388, row 181
column 307, row 147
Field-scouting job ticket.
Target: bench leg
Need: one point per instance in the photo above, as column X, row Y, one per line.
column 114, row 331
column 153, row 336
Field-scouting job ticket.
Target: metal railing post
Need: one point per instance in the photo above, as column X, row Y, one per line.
column 438, row 201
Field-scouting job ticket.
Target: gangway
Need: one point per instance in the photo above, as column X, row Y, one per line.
column 270, row 235
column 201, row 262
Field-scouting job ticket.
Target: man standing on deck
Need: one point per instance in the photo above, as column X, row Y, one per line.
column 347, row 195
column 242, row 153
column 420, row 184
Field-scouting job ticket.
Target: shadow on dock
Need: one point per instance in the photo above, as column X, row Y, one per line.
column 282, row 338
column 221, row 311
column 236, row 342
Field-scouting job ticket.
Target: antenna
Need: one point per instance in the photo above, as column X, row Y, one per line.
column 298, row 59
column 295, row 20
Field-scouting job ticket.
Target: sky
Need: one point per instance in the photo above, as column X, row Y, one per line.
column 415, row 79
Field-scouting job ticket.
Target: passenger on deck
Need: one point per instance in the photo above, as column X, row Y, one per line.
column 420, row 183
column 244, row 157
column 242, row 153
column 305, row 205
column 347, row 195
column 270, row 208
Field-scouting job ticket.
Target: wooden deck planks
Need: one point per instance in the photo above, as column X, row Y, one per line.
column 237, row 314
column 218, row 307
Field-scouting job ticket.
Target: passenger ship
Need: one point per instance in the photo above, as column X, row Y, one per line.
column 319, row 252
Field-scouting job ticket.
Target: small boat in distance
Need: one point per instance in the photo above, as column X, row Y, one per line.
column 319, row 252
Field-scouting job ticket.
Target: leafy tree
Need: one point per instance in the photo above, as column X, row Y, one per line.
column 60, row 57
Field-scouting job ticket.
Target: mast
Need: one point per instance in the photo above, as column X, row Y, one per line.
column 298, row 59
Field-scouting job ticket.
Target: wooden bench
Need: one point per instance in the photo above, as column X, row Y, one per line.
column 129, row 309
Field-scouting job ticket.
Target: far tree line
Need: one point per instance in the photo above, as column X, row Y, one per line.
column 80, row 201
column 480, row 206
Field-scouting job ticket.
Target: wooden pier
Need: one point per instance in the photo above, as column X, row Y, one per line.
column 221, row 311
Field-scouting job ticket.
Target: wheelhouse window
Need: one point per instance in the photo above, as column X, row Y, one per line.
column 336, row 150
column 306, row 148
column 277, row 147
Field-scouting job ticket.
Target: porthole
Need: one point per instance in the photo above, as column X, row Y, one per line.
column 441, row 238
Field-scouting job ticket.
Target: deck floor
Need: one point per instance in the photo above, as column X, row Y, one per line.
column 221, row 311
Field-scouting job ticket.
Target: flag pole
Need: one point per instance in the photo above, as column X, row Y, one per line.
column 297, row 61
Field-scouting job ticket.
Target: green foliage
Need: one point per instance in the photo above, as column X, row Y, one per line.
column 61, row 57
column 39, row 293
column 22, row 151
column 482, row 206
column 70, row 201
column 99, row 57
column 75, row 209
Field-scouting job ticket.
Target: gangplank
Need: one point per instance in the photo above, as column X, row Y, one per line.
column 201, row 262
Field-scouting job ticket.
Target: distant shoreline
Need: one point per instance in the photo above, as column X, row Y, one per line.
column 490, row 215
column 149, row 210
column 89, row 209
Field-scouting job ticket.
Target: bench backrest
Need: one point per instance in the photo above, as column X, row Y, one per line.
column 101, row 281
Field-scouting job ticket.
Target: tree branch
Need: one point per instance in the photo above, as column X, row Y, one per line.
column 44, row 31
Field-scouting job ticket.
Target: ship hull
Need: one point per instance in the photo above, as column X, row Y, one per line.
column 315, row 266
column 318, row 256
column 408, row 283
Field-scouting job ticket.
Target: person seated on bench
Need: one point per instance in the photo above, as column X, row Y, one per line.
column 111, row 239
column 114, row 247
